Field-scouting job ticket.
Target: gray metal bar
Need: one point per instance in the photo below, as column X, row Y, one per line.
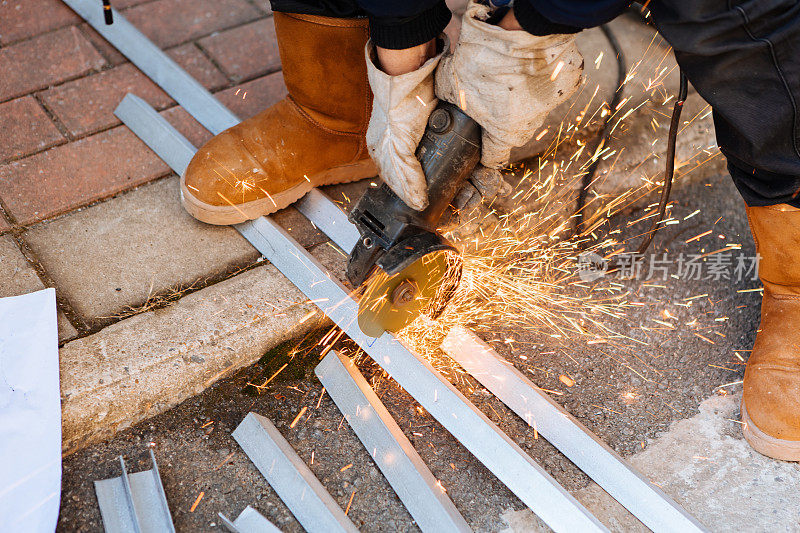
column 390, row 449
column 248, row 521
column 286, row 472
column 158, row 66
column 501, row 455
column 624, row 483
column 329, row 218
column 228, row 524
column 145, row 122
column 116, row 503
column 162, row 496
column 128, row 490
column 134, row 502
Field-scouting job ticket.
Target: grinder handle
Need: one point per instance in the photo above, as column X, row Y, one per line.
column 448, row 152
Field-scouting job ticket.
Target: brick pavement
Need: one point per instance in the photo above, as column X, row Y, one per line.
column 63, row 149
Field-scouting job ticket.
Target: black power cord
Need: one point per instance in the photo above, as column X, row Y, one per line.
column 107, row 13
column 669, row 172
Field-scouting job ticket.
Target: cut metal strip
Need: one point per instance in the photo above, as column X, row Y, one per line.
column 291, row 478
column 145, row 122
column 499, row 453
column 391, row 450
column 326, row 215
column 624, row 483
column 248, row 521
column 158, row 66
column 134, row 502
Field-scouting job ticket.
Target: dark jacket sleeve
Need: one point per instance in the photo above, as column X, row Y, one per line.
column 546, row 17
column 399, row 24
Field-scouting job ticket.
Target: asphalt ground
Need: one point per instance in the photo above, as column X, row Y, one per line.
column 626, row 392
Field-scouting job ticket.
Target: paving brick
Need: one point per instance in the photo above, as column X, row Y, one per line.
column 116, row 254
column 264, row 5
column 198, row 66
column 249, row 98
column 26, row 128
column 299, row 227
column 17, row 277
column 75, row 174
column 109, row 53
column 21, row 19
column 170, row 22
column 245, row 52
column 45, row 60
column 86, row 105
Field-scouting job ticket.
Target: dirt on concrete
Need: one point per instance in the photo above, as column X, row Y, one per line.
column 711, row 471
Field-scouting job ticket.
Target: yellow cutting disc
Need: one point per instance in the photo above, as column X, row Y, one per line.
column 390, row 303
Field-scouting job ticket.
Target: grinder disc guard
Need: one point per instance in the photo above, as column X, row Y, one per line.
column 424, row 285
column 401, row 264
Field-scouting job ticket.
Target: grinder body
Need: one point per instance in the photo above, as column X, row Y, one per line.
column 396, row 238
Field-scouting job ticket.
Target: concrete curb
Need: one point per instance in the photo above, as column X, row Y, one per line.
column 148, row 363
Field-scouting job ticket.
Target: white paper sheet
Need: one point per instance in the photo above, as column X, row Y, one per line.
column 30, row 413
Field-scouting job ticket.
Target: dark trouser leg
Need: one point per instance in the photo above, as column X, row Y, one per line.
column 394, row 25
column 743, row 57
column 341, row 9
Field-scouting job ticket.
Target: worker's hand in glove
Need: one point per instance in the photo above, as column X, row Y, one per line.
column 400, row 110
column 484, row 196
column 506, row 80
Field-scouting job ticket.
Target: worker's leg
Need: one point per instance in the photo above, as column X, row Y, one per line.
column 743, row 57
column 312, row 137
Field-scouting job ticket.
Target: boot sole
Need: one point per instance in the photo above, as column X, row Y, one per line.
column 226, row 215
column 785, row 450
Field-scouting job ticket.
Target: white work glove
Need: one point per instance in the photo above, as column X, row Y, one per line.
column 400, row 109
column 486, row 189
column 502, row 79
column 477, row 204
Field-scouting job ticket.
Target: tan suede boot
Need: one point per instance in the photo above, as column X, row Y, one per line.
column 314, row 136
column 771, row 399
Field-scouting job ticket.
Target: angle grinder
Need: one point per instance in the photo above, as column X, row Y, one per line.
column 401, row 264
